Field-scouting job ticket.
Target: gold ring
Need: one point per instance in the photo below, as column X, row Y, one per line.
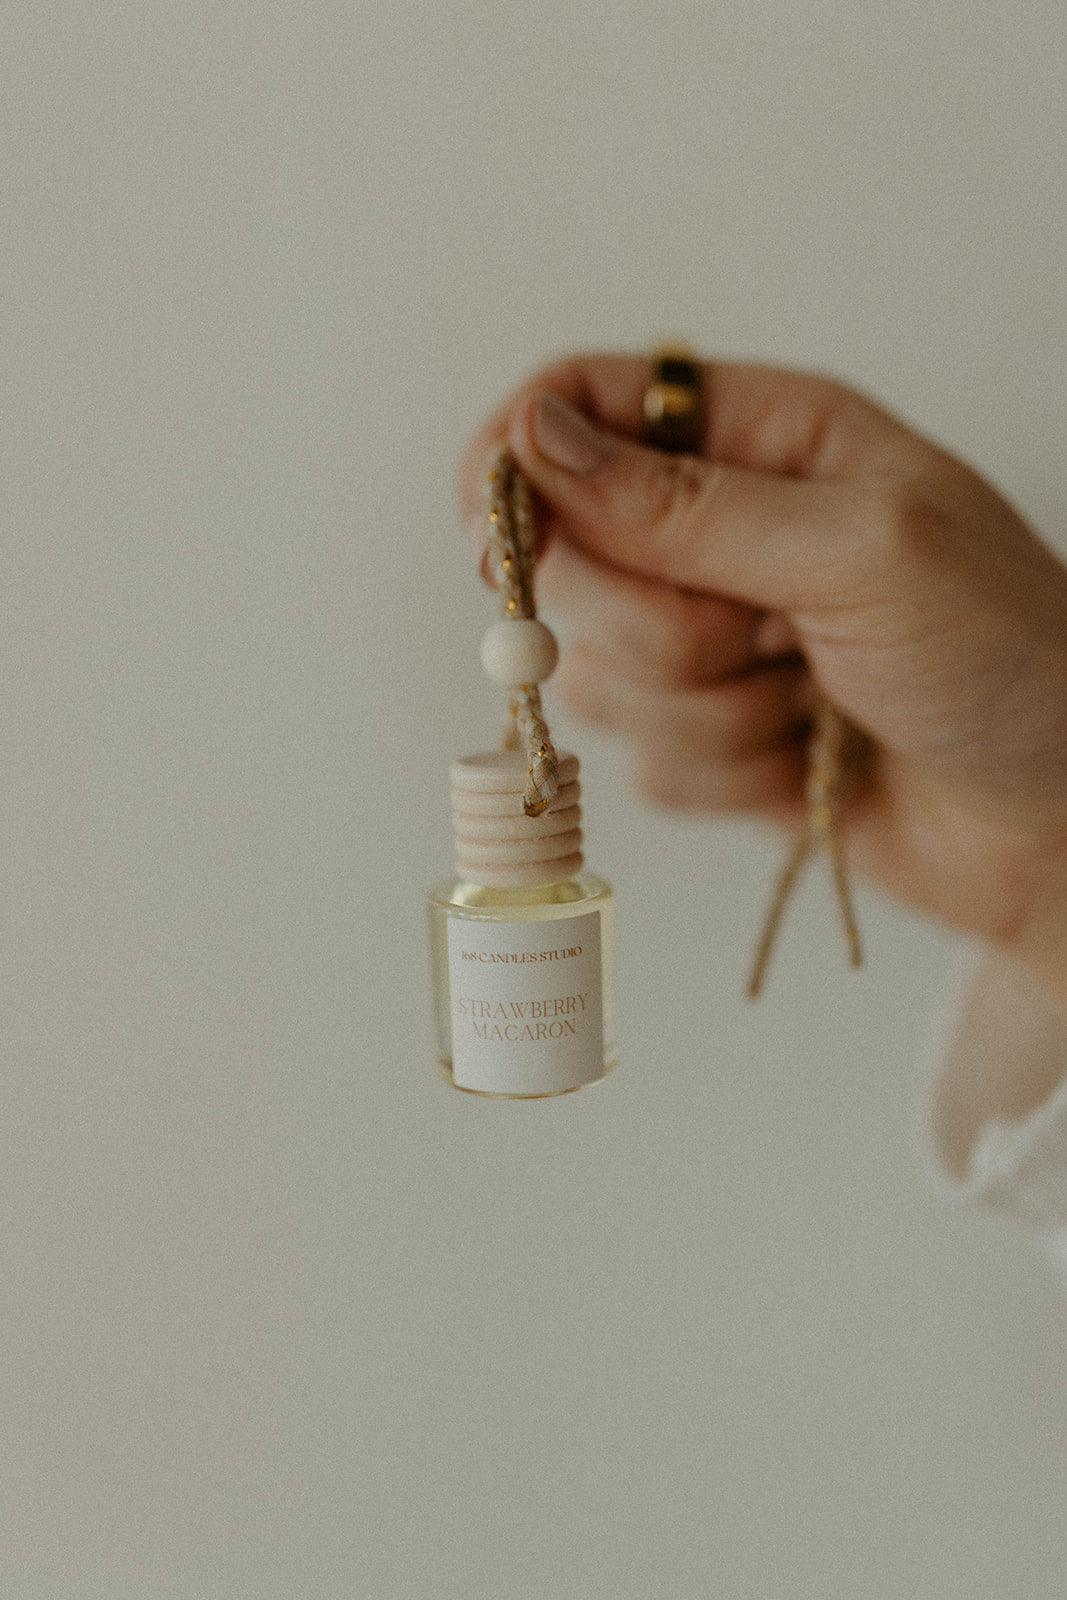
column 673, row 401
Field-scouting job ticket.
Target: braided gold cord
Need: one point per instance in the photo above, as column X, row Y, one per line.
column 510, row 551
column 821, row 831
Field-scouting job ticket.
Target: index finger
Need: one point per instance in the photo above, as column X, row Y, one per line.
column 771, row 419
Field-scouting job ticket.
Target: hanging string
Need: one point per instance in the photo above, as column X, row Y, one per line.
column 510, row 553
column 673, row 406
column 821, row 830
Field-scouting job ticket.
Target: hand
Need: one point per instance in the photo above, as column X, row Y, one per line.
column 816, row 541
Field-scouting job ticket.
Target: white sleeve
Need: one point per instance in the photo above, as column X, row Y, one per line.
column 999, row 1105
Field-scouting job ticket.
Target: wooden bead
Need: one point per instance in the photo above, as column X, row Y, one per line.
column 519, row 651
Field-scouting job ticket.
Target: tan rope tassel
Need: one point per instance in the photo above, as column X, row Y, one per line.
column 821, row 831
column 510, row 551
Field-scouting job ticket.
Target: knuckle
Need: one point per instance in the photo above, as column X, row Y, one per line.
column 762, row 784
column 905, row 523
column 586, row 685
column 679, row 493
column 659, row 783
column 577, row 690
column 671, row 644
column 736, row 718
column 749, row 713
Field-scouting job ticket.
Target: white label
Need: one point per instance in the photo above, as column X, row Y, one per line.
column 527, row 1011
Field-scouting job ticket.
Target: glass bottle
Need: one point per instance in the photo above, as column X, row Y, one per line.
column 521, row 947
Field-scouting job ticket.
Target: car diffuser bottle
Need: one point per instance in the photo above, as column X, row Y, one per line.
column 521, row 938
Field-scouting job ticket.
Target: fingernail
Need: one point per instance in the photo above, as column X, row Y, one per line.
column 566, row 438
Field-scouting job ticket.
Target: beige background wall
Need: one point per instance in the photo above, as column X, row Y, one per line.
column 280, row 1315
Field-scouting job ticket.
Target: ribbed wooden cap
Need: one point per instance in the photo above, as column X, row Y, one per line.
column 497, row 844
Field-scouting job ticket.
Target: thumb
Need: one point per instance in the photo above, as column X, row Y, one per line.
column 770, row 540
